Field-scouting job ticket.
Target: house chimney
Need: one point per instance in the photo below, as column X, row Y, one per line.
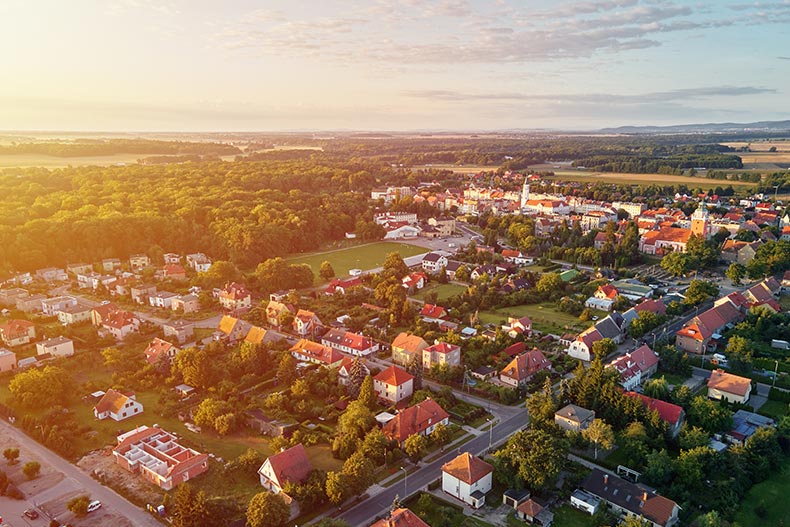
column 644, row 496
column 606, row 479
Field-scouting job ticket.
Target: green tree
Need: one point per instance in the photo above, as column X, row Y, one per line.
column 326, row 271
column 415, row 446
column 601, row 434
column 40, row 388
column 336, row 487
column 700, row 291
column 415, row 368
column 676, row 264
column 739, row 354
column 542, row 405
column 31, row 469
column 709, row 415
column 220, row 273
column 549, row 284
column 534, row 456
column 692, row 437
column 356, row 376
column 367, row 396
column 286, row 371
column 267, row 510
column 356, row 420
column 657, row 388
column 11, row 455
column 375, row 445
column 197, row 366
column 709, row 519
column 395, row 266
column 634, row 521
column 660, row 468
column 79, row 505
column 440, row 435
column 190, row 507
column 603, row 348
column 358, row 470
column 736, row 272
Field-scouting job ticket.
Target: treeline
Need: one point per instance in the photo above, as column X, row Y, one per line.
column 107, row 147
column 242, row 212
column 658, row 165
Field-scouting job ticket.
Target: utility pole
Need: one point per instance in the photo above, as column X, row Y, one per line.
column 405, row 482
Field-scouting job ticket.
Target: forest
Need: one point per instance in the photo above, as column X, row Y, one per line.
column 107, row 147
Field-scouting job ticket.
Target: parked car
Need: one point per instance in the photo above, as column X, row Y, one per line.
column 94, row 506
column 30, row 513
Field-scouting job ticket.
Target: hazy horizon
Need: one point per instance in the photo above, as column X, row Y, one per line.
column 433, row 66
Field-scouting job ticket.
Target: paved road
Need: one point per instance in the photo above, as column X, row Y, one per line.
column 108, row 497
column 364, row 513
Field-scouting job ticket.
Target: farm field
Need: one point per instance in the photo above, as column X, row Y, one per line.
column 444, row 291
column 459, row 169
column 361, row 257
column 765, row 504
column 639, row 179
column 545, row 318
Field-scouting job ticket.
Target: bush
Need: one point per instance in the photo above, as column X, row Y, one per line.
column 31, row 469
column 435, row 484
column 779, row 395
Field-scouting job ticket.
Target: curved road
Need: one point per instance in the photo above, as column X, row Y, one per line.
column 107, row 496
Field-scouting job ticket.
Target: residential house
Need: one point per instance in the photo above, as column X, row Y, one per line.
column 110, row 264
column 121, row 324
column 233, row 329
column 158, row 457
column 467, row 478
column 635, row 367
column 263, row 424
column 74, row 314
column 199, row 262
column 731, row 388
column 393, row 384
column 160, row 350
column 235, row 297
column 351, row 343
column 414, row 281
column 400, row 518
column 276, row 312
column 51, row 306
column 30, row 304
column 51, row 274
column 289, row 466
column 180, row 330
column 341, row 285
column 606, row 292
column 162, row 299
column 17, row 332
column 696, row 335
column 736, row 251
column 581, row 348
column 518, row 326
column 405, row 347
column 764, row 292
column 344, row 371
column 174, row 272
column 140, row 293
column 650, row 305
column 8, row 360
column 101, row 312
column 601, row 304
column 523, row 367
column 672, row 414
column 744, row 425
column 171, row 258
column 612, row 327
column 516, row 257
column 56, row 347
column 138, row 262
column 513, row 285
column 624, row 498
column 433, row 313
column 573, row 418
column 441, row 353
column 306, row 323
column 533, row 512
column 664, row 240
column 78, row 268
column 452, row 268
column 632, row 289
column 420, row 419
column 258, row 336
column 117, row 406
column 8, row 297
column 433, row 262
column 315, row 353
column 444, row 225
column 185, row 303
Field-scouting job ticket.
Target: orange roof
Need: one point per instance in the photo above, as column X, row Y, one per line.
column 120, row 319
column 409, row 343
column 317, row 352
column 291, row 465
column 530, row 508
column 401, row 518
column 234, row 291
column 156, row 349
column 674, row 234
column 394, row 376
column 415, row 420
column 695, row 331
column 467, row 468
column 727, row 382
column 256, row 335
column 112, row 402
column 526, row 365
column 227, row 324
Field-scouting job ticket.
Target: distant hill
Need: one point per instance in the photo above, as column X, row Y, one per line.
column 706, row 128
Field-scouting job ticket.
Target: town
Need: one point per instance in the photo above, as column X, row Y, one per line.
column 462, row 348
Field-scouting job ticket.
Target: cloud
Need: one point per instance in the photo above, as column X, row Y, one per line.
column 684, row 94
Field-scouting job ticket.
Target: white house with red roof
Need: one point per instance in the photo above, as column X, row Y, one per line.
column 432, row 311
column 420, row 419
column 393, row 384
column 581, row 348
column 467, row 478
column 305, row 322
column 158, row 457
column 121, row 323
column 400, row 518
column 732, row 388
column 160, row 350
column 441, row 353
column 351, row 343
column 341, row 285
column 235, row 297
column 117, row 406
column 523, row 367
column 174, row 272
column 635, row 367
column 414, row 281
column 518, row 326
column 315, row 353
column 289, row 466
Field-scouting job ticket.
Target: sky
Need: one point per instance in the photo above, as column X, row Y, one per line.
column 271, row 65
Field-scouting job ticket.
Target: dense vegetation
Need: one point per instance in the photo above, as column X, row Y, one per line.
column 102, row 147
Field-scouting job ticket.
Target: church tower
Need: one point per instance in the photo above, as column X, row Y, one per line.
column 700, row 221
column 525, row 193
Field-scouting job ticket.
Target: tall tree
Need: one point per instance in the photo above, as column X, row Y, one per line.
column 286, row 372
column 190, row 507
column 601, row 434
column 326, row 271
column 415, row 446
column 415, row 368
column 266, row 510
column 367, row 396
column 356, row 376
column 534, row 456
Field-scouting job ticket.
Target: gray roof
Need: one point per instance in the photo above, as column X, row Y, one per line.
column 608, row 328
column 575, row 413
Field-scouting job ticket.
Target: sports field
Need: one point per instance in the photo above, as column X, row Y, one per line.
column 363, row 257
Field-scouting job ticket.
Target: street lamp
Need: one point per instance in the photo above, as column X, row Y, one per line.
column 490, row 433
column 405, row 482
column 776, row 372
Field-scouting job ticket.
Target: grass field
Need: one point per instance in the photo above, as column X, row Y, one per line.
column 444, row 291
column 767, row 499
column 38, row 160
column 459, row 169
column 545, row 318
column 361, row 257
column 641, row 179
column 774, row 409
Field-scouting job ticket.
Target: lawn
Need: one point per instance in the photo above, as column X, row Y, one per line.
column 362, row 257
column 673, row 378
column 765, row 503
column 444, row 291
column 441, row 512
column 545, row 318
column 567, row 516
column 774, row 409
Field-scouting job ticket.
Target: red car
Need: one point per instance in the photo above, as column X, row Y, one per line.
column 30, row 513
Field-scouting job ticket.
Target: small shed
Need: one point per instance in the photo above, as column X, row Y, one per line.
column 514, row 498
column 533, row 512
column 584, row 501
column 184, row 390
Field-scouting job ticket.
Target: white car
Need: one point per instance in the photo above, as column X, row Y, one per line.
column 94, row 506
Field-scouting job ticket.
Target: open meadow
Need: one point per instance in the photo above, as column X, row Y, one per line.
column 620, row 178
column 363, row 257
column 458, row 169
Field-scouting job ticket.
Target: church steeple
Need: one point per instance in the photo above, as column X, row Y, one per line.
column 700, row 221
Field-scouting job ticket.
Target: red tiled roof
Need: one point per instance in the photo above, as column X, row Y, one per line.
column 442, row 347
column 120, row 319
column 695, row 331
column 409, row 343
column 432, row 311
column 526, row 365
column 467, row 468
column 317, row 352
column 394, row 376
column 156, row 349
column 669, row 413
column 727, row 382
column 291, row 465
column 401, row 518
column 530, row 508
column 415, row 420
